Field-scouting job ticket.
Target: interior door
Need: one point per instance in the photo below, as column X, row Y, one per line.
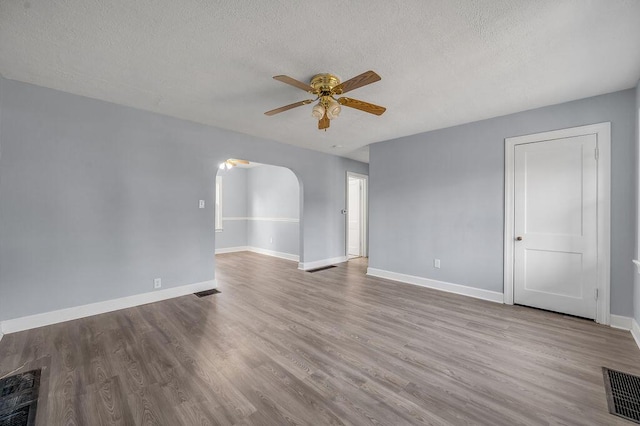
column 354, row 214
column 555, row 257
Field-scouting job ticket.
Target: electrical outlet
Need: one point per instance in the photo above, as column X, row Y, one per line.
column 157, row 283
column 436, row 263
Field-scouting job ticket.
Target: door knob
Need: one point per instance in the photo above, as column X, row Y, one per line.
column 518, row 238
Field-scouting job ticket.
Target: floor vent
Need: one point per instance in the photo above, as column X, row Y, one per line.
column 623, row 394
column 324, row 268
column 206, row 293
column 19, row 398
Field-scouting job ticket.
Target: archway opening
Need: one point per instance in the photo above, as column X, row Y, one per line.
column 258, row 209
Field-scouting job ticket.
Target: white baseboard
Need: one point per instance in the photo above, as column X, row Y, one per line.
column 623, row 323
column 232, row 249
column 305, row 266
column 258, row 250
column 627, row 323
column 62, row 315
column 635, row 331
column 302, row 265
column 492, row 296
column 281, row 255
column 1, row 333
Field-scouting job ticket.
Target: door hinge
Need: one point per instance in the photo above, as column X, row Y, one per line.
column 597, row 294
column 597, row 153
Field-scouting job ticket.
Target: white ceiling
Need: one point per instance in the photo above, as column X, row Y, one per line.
column 442, row 62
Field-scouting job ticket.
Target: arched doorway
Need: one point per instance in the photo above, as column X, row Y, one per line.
column 258, row 209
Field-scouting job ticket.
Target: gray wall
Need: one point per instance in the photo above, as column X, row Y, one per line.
column 234, row 204
column 636, row 286
column 262, row 192
column 443, row 195
column 97, row 199
column 273, row 192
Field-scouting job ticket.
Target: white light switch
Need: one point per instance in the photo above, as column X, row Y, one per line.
column 201, row 204
column 436, row 263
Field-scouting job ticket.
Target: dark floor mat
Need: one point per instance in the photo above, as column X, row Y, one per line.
column 206, row 293
column 623, row 394
column 19, row 399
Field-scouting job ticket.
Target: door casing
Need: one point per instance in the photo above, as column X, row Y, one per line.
column 364, row 221
column 602, row 131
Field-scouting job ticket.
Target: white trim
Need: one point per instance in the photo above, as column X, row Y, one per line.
column 305, row 266
column 635, row 331
column 365, row 214
column 269, row 219
column 62, row 315
column 603, row 135
column 637, row 263
column 281, row 255
column 626, row 323
column 357, row 175
column 478, row 293
column 1, row 333
column 232, row 249
column 623, row 323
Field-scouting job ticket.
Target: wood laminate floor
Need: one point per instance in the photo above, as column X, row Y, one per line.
column 280, row 346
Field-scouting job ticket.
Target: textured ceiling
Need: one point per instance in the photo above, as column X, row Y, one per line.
column 442, row 62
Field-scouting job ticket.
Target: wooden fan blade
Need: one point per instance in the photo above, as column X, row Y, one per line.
column 240, row 161
column 288, row 107
column 357, row 81
column 324, row 122
column 295, row 83
column 362, row 106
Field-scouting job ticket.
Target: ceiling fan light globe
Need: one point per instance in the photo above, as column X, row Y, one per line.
column 317, row 112
column 333, row 110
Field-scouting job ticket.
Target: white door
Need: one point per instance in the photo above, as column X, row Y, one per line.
column 555, row 224
column 353, row 217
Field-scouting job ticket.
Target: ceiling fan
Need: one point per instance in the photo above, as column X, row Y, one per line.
column 326, row 87
column 231, row 162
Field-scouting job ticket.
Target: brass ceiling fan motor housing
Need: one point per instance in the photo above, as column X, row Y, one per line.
column 324, row 84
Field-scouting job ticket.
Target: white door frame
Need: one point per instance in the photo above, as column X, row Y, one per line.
column 365, row 214
column 602, row 131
